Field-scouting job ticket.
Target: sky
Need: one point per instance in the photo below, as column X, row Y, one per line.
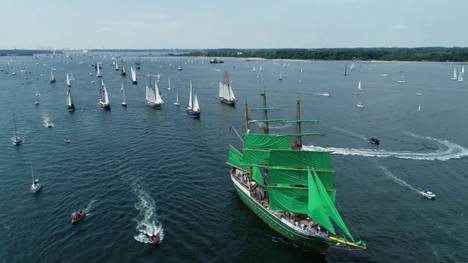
column 156, row 24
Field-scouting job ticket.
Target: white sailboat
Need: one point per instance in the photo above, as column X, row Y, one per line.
column 98, row 71
column 460, row 76
column 226, row 95
column 359, row 87
column 402, row 78
column 133, row 75
column 454, row 77
column 103, row 97
column 70, row 105
column 35, row 186
column 16, row 140
column 52, row 77
column 124, row 98
column 153, row 98
column 168, row 84
column 123, row 72
column 280, row 77
column 360, row 105
column 177, row 103
column 419, row 107
column 68, row 81
column 116, row 66
column 193, row 108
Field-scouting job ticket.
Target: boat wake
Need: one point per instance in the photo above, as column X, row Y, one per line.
column 47, row 121
column 90, row 207
column 323, row 94
column 447, row 150
column 147, row 220
column 399, row 181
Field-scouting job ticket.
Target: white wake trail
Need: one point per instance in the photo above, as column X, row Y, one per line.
column 448, row 150
column 147, row 219
column 399, row 181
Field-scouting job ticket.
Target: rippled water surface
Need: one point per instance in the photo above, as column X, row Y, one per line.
column 139, row 170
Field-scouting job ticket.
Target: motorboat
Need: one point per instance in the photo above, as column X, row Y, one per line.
column 179, row 68
column 374, row 141
column 77, row 216
column 35, row 186
column 360, row 105
column 154, row 239
column 428, row 194
column 66, row 140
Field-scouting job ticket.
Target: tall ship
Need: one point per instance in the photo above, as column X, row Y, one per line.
column 193, row 108
column 103, row 101
column 152, row 96
column 70, row 105
column 133, row 75
column 291, row 189
column 226, row 95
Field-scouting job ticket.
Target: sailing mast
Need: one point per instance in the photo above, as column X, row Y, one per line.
column 298, row 143
column 265, row 112
column 246, row 118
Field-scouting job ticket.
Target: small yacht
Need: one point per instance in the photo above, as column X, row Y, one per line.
column 35, row 186
column 360, row 105
column 428, row 194
column 16, row 140
column 179, row 68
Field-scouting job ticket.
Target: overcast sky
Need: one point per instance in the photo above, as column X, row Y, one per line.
column 235, row 23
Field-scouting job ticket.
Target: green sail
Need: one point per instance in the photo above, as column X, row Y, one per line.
column 278, row 175
column 257, row 175
column 266, row 141
column 330, row 207
column 284, row 198
column 316, row 208
column 235, row 158
column 301, row 159
column 256, row 157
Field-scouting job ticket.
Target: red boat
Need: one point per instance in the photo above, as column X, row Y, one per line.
column 77, row 216
column 154, row 239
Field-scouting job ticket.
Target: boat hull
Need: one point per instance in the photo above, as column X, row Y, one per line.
column 310, row 242
column 105, row 107
column 71, row 108
column 228, row 102
column 135, row 82
column 154, row 105
column 194, row 114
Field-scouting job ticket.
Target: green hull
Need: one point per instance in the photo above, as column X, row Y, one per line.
column 310, row 242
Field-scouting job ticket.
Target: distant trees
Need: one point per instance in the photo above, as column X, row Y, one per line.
column 399, row 54
column 24, row 52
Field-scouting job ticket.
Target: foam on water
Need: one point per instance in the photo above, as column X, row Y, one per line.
column 392, row 176
column 147, row 219
column 46, row 121
column 447, row 151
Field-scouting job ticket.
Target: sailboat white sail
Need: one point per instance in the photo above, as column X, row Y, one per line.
column 103, row 97
column 70, row 105
column 98, row 71
column 153, row 98
column 402, row 78
column 123, row 72
column 419, row 107
column 133, row 75
column 124, row 98
column 460, row 76
column 52, row 77
column 193, row 108
column 454, row 77
column 16, row 140
column 68, row 81
column 196, row 106
column 177, row 103
column 359, row 87
column 116, row 66
column 226, row 95
column 168, row 84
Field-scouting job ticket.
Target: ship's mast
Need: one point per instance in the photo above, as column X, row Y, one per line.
column 298, row 143
column 265, row 112
column 246, row 118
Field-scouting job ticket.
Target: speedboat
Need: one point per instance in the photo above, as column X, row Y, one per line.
column 154, row 239
column 17, row 140
column 124, row 104
column 374, row 141
column 50, row 125
column 77, row 216
column 67, row 140
column 179, row 68
column 35, row 186
column 427, row 194
column 360, row 105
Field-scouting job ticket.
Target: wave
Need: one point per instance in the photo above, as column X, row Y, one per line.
column 447, row 151
column 90, row 207
column 147, row 219
column 399, row 181
column 47, row 121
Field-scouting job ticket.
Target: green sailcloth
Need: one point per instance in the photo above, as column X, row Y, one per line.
column 330, row 207
column 298, row 177
column 301, row 159
column 256, row 157
column 284, row 198
column 316, row 209
column 235, row 158
column 266, row 141
column 257, row 175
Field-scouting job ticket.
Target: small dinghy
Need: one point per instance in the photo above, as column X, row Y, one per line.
column 77, row 216
column 35, row 186
column 374, row 141
column 427, row 194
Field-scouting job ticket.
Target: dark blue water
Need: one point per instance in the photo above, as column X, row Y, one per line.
column 139, row 167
